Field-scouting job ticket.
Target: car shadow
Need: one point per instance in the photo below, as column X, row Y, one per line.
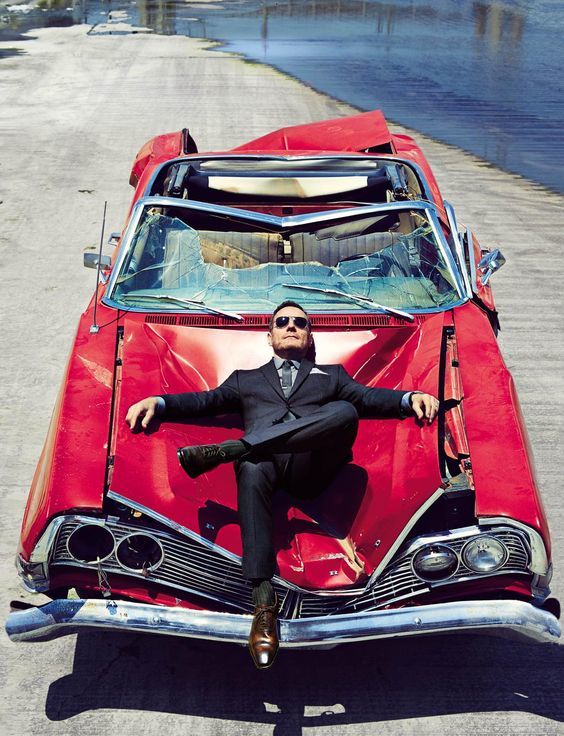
column 352, row 684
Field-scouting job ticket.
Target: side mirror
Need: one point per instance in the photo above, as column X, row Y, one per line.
column 91, row 261
column 490, row 263
column 114, row 239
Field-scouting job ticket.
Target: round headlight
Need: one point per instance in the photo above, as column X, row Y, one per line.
column 139, row 553
column 484, row 554
column 435, row 562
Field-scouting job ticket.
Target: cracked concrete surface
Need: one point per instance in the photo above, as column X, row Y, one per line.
column 75, row 109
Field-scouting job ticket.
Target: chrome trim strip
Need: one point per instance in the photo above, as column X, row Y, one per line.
column 432, row 215
column 123, row 250
column 539, row 559
column 171, row 311
column 540, row 586
column 66, row 616
column 423, row 183
column 471, row 260
column 402, row 535
column 36, row 583
column 459, row 247
column 440, row 538
column 175, row 525
column 42, row 550
column 458, row 534
column 289, row 221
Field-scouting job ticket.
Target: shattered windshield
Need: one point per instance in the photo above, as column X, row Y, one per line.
column 188, row 259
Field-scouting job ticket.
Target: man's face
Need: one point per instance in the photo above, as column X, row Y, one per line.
column 290, row 341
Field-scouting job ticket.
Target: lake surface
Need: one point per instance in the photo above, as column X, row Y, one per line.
column 484, row 76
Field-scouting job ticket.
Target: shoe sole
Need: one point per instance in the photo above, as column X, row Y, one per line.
column 185, row 466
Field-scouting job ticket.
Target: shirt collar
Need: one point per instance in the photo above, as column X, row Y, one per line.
column 278, row 362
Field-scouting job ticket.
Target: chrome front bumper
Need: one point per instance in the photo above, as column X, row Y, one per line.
column 62, row 617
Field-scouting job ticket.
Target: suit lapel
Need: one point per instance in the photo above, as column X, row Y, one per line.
column 271, row 374
column 303, row 372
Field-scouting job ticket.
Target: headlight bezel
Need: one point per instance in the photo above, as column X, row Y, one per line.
column 481, row 539
column 139, row 570
column 85, row 529
column 430, row 549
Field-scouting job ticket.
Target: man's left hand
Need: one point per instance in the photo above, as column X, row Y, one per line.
column 425, row 406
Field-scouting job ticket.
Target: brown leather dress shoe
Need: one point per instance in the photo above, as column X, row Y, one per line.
column 263, row 639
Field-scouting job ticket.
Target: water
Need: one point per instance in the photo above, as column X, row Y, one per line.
column 485, row 76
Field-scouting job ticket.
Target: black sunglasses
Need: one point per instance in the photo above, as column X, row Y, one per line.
column 300, row 322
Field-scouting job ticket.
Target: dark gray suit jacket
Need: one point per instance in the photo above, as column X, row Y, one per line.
column 257, row 395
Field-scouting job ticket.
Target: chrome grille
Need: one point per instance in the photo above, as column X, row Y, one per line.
column 187, row 565
column 394, row 584
column 193, row 567
column 399, row 581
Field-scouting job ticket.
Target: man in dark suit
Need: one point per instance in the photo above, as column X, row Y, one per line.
column 300, row 421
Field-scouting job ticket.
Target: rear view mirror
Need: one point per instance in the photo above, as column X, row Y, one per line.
column 490, row 263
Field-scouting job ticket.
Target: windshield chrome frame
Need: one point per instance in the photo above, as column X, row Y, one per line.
column 431, row 211
column 469, row 250
column 459, row 246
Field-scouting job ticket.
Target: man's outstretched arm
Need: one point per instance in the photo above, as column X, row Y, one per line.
column 220, row 400
column 384, row 402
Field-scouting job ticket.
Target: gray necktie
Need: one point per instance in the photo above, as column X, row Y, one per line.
column 286, row 377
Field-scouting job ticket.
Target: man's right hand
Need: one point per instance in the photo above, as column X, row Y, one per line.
column 143, row 411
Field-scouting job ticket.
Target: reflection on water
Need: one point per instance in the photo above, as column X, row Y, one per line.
column 159, row 15
column 16, row 18
column 483, row 75
column 498, row 23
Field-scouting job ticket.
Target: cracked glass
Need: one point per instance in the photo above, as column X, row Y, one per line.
column 388, row 260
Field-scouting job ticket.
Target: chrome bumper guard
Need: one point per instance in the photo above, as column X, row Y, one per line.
column 67, row 616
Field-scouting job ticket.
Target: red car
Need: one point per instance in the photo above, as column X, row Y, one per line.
column 430, row 529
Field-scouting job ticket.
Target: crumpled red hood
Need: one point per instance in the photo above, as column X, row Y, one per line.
column 343, row 535
column 353, row 133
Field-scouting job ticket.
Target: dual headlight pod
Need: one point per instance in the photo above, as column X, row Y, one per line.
column 136, row 552
column 483, row 554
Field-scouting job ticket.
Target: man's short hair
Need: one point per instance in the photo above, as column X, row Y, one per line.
column 287, row 303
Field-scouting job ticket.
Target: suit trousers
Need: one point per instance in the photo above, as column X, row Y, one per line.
column 301, row 456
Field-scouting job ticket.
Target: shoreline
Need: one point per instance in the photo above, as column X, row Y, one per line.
column 398, row 126
column 124, row 30
column 221, row 46
column 77, row 109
